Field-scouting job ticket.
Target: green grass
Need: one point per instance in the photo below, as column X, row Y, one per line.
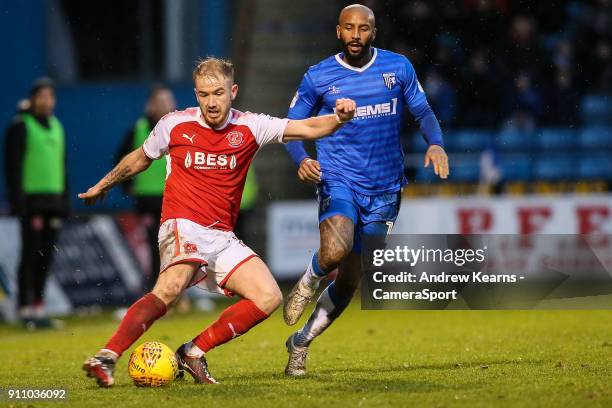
column 367, row 358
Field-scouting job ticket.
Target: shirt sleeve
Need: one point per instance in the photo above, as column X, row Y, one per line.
column 156, row 144
column 306, row 101
column 267, row 129
column 416, row 100
column 305, row 104
column 414, row 95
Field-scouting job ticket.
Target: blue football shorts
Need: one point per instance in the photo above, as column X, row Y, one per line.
column 372, row 215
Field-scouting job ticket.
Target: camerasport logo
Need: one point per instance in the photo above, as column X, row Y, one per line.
column 210, row 161
column 235, row 138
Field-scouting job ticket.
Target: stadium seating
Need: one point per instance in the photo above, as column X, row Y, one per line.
column 595, row 137
column 556, row 139
column 468, row 140
column 417, row 144
column 516, row 167
column 515, row 140
column 424, row 175
column 554, row 166
column 596, row 166
column 597, row 109
column 465, row 168
column 547, row 154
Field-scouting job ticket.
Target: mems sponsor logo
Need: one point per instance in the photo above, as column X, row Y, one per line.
column 377, row 110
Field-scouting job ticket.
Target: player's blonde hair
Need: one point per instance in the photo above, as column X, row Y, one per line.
column 212, row 67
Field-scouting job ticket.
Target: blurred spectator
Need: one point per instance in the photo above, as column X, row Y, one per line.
column 490, row 172
column 595, row 58
column 522, row 46
column 524, row 100
column 484, row 48
column 479, row 93
column 486, row 21
column 35, row 159
column 562, row 101
column 147, row 188
column 441, row 96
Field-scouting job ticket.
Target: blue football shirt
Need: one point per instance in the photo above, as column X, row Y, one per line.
column 365, row 153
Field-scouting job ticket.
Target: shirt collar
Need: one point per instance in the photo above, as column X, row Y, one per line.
column 352, row 68
column 202, row 122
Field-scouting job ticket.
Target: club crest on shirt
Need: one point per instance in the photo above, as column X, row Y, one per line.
column 235, row 138
column 190, row 248
column 389, row 78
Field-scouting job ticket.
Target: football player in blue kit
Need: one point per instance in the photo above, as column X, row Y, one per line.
column 359, row 170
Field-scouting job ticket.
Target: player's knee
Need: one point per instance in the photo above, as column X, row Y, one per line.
column 346, row 288
column 269, row 300
column 330, row 257
column 168, row 292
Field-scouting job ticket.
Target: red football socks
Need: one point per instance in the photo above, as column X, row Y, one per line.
column 233, row 322
column 139, row 317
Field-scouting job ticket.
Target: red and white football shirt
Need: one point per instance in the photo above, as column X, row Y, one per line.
column 206, row 167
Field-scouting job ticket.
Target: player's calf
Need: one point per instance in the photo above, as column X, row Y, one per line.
column 336, row 234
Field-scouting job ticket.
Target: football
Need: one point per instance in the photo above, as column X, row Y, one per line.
column 152, row 364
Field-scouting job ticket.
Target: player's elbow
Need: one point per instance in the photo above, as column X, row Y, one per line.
column 144, row 163
column 140, row 162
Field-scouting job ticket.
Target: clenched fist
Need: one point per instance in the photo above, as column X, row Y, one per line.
column 345, row 109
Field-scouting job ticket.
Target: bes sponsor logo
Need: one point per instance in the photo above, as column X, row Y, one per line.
column 377, row 110
column 210, row 161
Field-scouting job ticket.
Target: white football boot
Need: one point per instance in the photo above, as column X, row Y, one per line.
column 296, row 365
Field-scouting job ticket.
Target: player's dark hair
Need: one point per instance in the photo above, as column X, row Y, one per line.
column 212, row 66
column 40, row 84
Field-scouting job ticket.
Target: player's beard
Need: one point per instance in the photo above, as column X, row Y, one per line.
column 363, row 54
column 217, row 120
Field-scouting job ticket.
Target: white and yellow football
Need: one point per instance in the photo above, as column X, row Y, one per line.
column 152, row 364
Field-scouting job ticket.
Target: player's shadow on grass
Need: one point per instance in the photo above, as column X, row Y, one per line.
column 482, row 364
column 316, row 383
column 379, row 379
column 442, row 366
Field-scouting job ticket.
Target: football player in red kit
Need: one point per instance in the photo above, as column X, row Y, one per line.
column 208, row 150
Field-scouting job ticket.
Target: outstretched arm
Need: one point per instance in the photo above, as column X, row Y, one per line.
column 132, row 164
column 320, row 126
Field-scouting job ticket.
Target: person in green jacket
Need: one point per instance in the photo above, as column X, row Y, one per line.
column 35, row 160
column 147, row 188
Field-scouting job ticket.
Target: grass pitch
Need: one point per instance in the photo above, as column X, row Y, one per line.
column 367, row 358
